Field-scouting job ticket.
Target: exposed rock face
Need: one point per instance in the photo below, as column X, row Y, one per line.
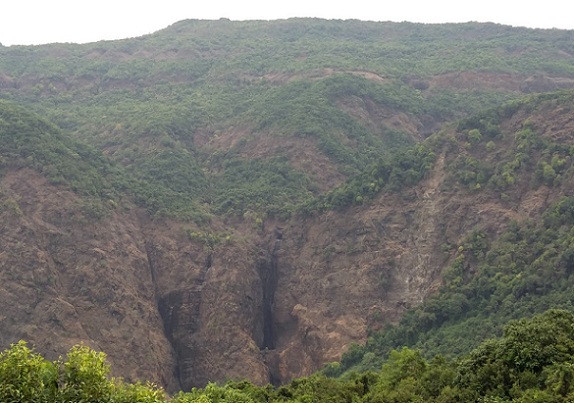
column 211, row 305
column 66, row 280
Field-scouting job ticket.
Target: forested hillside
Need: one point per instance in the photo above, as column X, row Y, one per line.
column 250, row 200
column 232, row 105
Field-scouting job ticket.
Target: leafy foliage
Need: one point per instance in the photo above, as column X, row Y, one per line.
column 487, row 159
column 405, row 168
column 532, row 361
column 270, row 185
column 83, row 376
column 25, row 376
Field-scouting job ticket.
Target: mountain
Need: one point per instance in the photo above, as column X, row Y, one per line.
column 248, row 199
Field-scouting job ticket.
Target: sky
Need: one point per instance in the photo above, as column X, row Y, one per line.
column 33, row 22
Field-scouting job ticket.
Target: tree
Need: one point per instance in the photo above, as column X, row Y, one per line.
column 26, row 376
column 85, row 376
column 137, row 393
column 533, row 352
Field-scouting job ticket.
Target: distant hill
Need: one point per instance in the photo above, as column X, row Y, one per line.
column 311, row 93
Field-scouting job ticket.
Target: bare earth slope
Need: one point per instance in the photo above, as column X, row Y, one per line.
column 67, row 280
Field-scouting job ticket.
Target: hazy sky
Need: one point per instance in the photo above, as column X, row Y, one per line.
column 45, row 21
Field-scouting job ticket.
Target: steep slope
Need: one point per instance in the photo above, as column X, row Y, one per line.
column 343, row 274
column 73, row 270
column 267, row 301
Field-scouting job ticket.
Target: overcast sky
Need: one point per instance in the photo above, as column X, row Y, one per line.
column 25, row 22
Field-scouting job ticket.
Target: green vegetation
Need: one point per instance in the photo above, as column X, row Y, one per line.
column 271, row 186
column 494, row 278
column 533, row 361
column 209, row 239
column 169, row 180
column 156, row 106
column 82, row 376
column 29, row 141
column 309, row 109
column 405, row 168
column 481, row 162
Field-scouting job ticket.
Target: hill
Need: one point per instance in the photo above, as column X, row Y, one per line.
column 316, row 100
column 248, row 199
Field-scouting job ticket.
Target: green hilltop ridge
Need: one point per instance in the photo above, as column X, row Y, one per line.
column 335, row 84
column 275, row 135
